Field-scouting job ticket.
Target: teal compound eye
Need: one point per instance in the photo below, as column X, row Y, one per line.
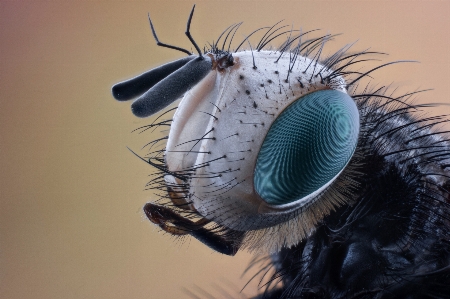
column 307, row 147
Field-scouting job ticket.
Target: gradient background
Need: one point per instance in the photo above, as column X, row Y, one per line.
column 71, row 224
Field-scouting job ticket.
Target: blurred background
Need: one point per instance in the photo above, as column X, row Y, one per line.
column 71, row 193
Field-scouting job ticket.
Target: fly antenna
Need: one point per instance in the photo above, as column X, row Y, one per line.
column 163, row 44
column 188, row 33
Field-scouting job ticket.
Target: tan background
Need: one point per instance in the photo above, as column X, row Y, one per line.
column 71, row 193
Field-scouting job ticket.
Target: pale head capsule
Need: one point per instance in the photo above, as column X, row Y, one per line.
column 261, row 143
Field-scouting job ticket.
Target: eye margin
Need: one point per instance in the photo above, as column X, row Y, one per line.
column 306, row 148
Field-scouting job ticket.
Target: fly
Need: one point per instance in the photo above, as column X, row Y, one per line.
column 280, row 151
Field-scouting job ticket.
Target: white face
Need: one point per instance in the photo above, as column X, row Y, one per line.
column 219, row 128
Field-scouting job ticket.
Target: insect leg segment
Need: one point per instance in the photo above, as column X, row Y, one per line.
column 226, row 242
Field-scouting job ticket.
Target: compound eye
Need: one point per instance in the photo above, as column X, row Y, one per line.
column 307, row 147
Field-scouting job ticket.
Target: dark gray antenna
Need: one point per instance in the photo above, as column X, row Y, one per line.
column 188, row 34
column 163, row 44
